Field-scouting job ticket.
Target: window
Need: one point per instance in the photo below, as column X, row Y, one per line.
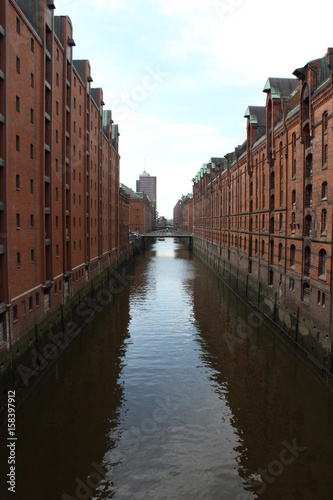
column 32, row 45
column 293, row 196
column 281, row 222
column 18, row 27
column 56, row 222
column 74, row 198
column 31, row 186
column 57, row 136
column 31, row 220
column 55, row 288
column 325, row 154
column 17, row 143
column 30, row 303
column 31, row 150
column 308, row 195
column 17, row 104
column 56, row 194
column 325, row 122
column 74, row 81
column 57, row 108
column 32, row 256
column 307, row 261
column 292, row 256
column 17, row 181
column 324, row 191
column 280, row 253
column 15, row 315
column 324, row 139
column 323, row 221
column 18, row 259
column 56, row 165
column 74, row 103
column 57, row 79
column 31, row 115
column 17, row 220
column 322, row 264
column 32, row 80
column 293, row 162
column 57, row 54
column 262, row 248
column 291, row 284
column 57, row 250
column 18, row 65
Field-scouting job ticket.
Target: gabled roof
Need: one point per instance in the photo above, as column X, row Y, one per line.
column 280, row 87
column 257, row 114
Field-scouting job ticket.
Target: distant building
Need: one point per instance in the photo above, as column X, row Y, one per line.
column 141, row 211
column 183, row 213
column 147, row 184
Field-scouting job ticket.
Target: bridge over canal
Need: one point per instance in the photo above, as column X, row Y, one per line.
column 163, row 233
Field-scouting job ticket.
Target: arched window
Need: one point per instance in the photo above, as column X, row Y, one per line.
column 263, row 248
column 322, row 265
column 292, row 256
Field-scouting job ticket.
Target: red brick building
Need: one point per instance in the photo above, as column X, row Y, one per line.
column 59, row 169
column 263, row 213
column 183, row 214
column 141, row 211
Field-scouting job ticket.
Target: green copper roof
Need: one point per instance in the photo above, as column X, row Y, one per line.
column 253, row 118
column 268, row 88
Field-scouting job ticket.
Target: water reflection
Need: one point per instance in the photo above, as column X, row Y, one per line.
column 179, row 391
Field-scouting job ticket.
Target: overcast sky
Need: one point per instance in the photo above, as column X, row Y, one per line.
column 178, row 75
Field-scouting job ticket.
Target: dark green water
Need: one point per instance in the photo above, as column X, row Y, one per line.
column 175, row 391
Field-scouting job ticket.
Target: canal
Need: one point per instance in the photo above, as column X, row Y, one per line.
column 176, row 390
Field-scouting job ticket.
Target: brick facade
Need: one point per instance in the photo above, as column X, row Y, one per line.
column 183, row 214
column 263, row 213
column 59, row 169
column 141, row 211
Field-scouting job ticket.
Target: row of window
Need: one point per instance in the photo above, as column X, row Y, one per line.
column 31, row 302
